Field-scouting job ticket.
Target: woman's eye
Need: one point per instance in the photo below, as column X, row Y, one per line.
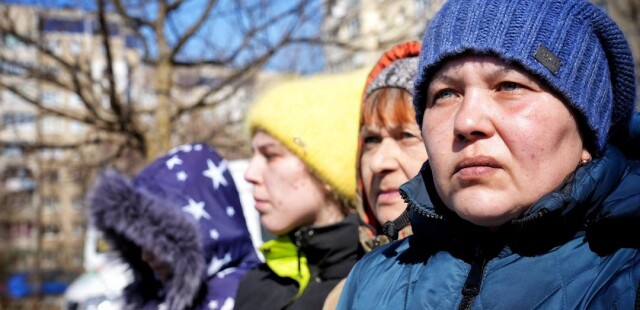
column 509, row 86
column 371, row 139
column 269, row 155
column 408, row 135
column 444, row 94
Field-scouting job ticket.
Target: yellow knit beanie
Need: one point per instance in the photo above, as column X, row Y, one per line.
column 317, row 119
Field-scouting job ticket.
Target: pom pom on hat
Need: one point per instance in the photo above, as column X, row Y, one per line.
column 571, row 45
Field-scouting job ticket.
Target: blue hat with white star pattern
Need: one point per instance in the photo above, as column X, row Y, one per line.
column 185, row 210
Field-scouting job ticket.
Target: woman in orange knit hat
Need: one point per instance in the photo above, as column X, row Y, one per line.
column 391, row 151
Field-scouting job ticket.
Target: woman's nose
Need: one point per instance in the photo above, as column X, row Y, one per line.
column 252, row 174
column 385, row 157
column 472, row 120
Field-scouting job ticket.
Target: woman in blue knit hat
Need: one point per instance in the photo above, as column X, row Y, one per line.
column 179, row 227
column 531, row 195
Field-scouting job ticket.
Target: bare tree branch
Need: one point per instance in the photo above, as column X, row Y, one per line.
column 174, row 6
column 114, row 100
column 188, row 33
column 130, row 20
column 149, row 101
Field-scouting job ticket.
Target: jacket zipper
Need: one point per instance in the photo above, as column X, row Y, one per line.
column 474, row 280
column 412, row 205
column 298, row 241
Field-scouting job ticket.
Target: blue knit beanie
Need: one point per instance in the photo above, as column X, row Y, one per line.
column 572, row 45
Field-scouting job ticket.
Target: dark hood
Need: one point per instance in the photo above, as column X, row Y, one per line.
column 183, row 208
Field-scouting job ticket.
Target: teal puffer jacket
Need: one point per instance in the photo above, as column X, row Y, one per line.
column 576, row 248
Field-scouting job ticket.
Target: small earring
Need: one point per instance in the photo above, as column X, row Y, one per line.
column 584, row 161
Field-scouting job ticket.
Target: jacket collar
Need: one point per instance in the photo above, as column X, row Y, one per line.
column 325, row 253
column 556, row 217
column 332, row 249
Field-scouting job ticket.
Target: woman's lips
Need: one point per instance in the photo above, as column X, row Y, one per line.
column 388, row 196
column 260, row 204
column 477, row 166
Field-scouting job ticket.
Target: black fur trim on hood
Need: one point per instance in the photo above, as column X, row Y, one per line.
column 132, row 219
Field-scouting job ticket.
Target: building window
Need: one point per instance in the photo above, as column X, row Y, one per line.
column 22, row 230
column 78, row 230
column 75, row 47
column 50, row 231
column 52, row 125
column 16, row 172
column 13, row 68
column 76, row 127
column 114, row 29
column 53, row 46
column 48, row 259
column 62, row 25
column 17, row 179
column 51, row 176
column 19, row 202
column 74, row 101
column 78, row 203
column 17, row 118
column 52, row 154
column 5, row 231
column 50, row 98
column 50, row 203
column 353, row 27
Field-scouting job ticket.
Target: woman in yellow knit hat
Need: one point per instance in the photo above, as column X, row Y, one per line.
column 304, row 140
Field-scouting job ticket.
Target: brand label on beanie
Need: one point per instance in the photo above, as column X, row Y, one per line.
column 548, row 59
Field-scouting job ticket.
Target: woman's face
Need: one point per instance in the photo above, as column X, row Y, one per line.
column 497, row 139
column 287, row 196
column 390, row 157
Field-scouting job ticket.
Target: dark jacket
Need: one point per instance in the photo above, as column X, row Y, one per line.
column 576, row 248
column 183, row 208
column 329, row 253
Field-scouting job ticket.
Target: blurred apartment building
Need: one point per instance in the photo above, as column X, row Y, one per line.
column 364, row 29
column 42, row 189
column 42, row 222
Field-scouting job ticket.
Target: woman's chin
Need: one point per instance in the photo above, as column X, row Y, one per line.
column 485, row 216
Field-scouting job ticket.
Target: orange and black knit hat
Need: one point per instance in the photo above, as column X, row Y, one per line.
column 396, row 68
